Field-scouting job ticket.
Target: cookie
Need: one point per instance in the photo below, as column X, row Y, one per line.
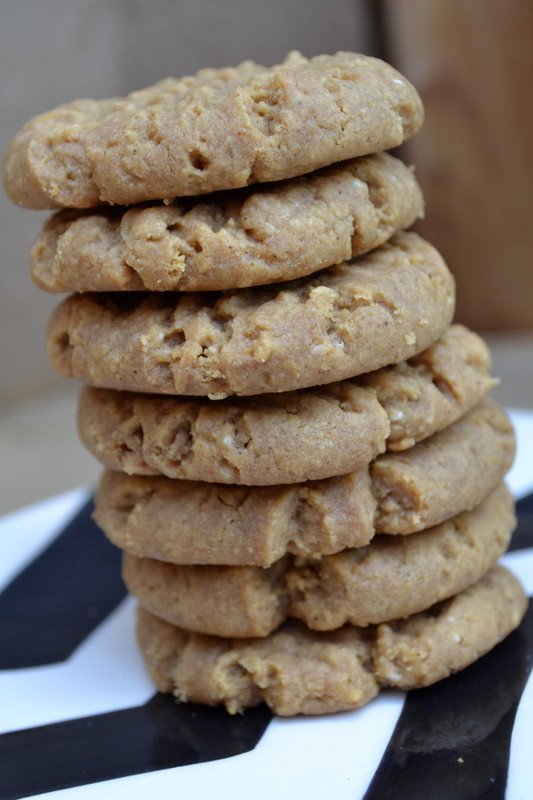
column 396, row 576
column 298, row 671
column 347, row 320
column 189, row 522
column 219, row 129
column 291, row 436
column 434, row 388
column 229, row 240
column 392, row 577
column 224, row 601
column 263, row 440
column 207, row 523
column 445, row 474
column 409, row 653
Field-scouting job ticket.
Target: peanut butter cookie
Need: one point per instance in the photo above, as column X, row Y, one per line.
column 392, row 577
column 298, row 671
column 218, row 129
column 350, row 319
column 189, row 522
column 292, row 436
column 228, row 240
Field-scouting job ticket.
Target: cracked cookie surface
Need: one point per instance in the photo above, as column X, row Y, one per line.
column 299, row 671
column 349, row 319
column 228, row 240
column 218, row 129
column 291, row 436
column 390, row 578
column 206, row 523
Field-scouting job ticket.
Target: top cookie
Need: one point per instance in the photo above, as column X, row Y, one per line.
column 218, row 129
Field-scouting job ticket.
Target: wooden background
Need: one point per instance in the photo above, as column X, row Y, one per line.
column 470, row 59
column 472, row 62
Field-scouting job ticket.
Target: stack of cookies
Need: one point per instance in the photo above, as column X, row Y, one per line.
column 303, row 468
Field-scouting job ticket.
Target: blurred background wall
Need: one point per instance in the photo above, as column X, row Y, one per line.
column 471, row 61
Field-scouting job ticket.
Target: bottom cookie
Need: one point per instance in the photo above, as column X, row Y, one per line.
column 299, row 671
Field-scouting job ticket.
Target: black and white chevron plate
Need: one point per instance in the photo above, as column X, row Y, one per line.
column 80, row 720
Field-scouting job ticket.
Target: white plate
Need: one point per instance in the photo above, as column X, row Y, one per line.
column 336, row 755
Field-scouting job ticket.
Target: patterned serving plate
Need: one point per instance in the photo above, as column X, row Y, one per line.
column 80, row 720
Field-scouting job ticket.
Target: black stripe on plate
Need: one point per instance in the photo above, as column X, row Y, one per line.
column 452, row 740
column 158, row 735
column 523, row 535
column 61, row 597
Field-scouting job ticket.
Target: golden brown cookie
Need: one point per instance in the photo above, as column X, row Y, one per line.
column 392, row 577
column 298, row 671
column 208, row 523
column 434, row 388
column 273, row 232
column 349, row 319
column 189, row 522
column 396, row 576
column 263, row 440
column 294, row 670
column 291, row 436
column 445, row 474
column 219, row 129
column 223, row 601
column 428, row 647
